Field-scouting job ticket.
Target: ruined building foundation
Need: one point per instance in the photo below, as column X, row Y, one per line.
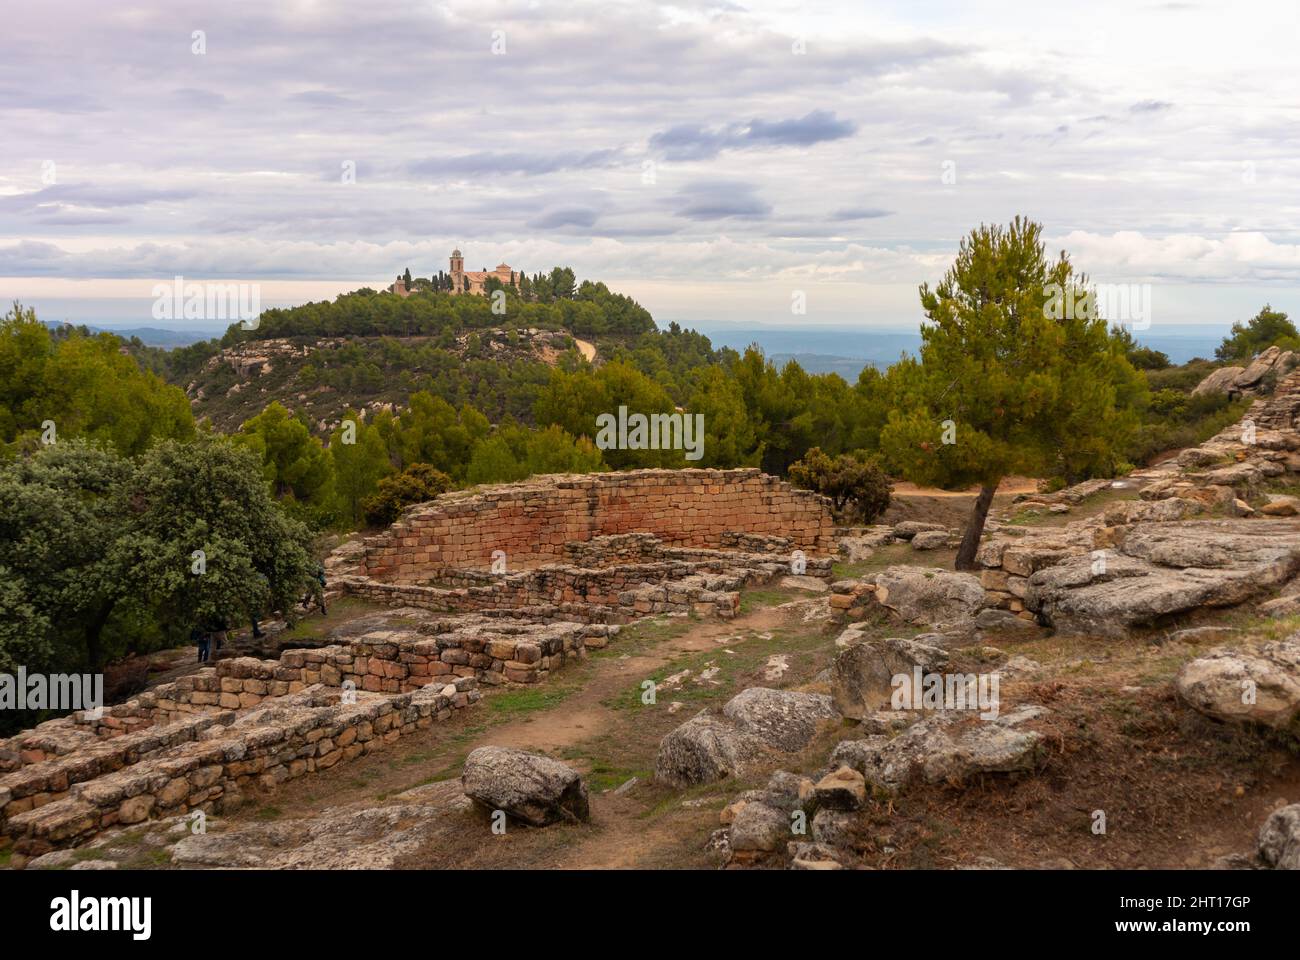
column 498, row 585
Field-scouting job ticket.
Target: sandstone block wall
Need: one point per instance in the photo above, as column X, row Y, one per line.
column 531, row 522
column 297, row 735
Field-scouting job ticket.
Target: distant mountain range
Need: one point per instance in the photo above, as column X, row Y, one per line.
column 846, row 352
column 823, row 350
column 149, row 336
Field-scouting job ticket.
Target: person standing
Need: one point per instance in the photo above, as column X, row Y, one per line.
column 203, row 640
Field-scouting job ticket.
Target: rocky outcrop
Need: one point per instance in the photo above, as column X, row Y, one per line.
column 757, row 722
column 925, row 596
column 862, row 674
column 931, row 540
column 1221, row 380
column 1260, row 685
column 908, row 529
column 781, row 719
column 1235, row 381
column 532, row 789
column 1164, row 569
column 945, row 747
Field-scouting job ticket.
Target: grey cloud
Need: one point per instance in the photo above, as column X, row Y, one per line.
column 517, row 162
column 322, row 98
column 860, row 213
column 721, row 200
column 565, row 217
column 88, row 195
column 197, row 99
column 693, row 142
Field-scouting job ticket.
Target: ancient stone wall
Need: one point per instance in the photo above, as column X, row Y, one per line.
column 287, row 738
column 532, row 522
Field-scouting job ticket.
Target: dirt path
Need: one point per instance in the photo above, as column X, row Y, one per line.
column 591, row 716
column 588, row 350
column 1010, row 486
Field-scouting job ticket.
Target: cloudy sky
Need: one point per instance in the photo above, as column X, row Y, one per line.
column 709, row 159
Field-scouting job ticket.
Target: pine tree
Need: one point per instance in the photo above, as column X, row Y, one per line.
column 1009, row 382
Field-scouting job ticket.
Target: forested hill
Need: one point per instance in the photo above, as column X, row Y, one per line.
column 369, row 349
column 373, row 352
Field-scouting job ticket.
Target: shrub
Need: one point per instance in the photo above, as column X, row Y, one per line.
column 416, row 484
column 856, row 488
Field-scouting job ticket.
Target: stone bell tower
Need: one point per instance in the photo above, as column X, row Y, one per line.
column 457, row 271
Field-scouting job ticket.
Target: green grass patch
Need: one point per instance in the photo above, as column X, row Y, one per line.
column 760, row 597
column 516, row 702
column 341, row 611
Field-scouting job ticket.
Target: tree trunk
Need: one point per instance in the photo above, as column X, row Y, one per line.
column 94, row 650
column 970, row 541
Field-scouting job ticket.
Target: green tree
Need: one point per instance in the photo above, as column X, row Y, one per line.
column 729, row 436
column 358, row 466
column 207, row 496
column 62, row 510
column 293, row 462
column 1266, row 328
column 574, row 400
column 86, row 386
column 98, row 552
column 1142, row 358
column 432, row 431
column 514, row 452
column 1009, row 382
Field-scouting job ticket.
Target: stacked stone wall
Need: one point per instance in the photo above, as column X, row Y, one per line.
column 532, row 523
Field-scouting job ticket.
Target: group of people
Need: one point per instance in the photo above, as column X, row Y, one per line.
column 211, row 635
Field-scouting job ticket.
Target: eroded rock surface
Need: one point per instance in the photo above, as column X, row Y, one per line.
column 754, row 723
column 930, row 595
column 533, row 789
column 945, row 747
column 1162, row 569
column 863, row 672
column 1260, row 685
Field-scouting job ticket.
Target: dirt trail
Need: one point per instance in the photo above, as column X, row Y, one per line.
column 580, row 714
column 583, row 715
column 1010, row 486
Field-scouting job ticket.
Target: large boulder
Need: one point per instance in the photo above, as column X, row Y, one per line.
column 1279, row 839
column 1222, row 380
column 932, row 596
column 945, row 747
column 1247, row 686
column 533, row 789
column 703, row 749
column 930, row 540
column 907, row 529
column 761, row 820
column 862, row 674
column 755, row 723
column 1258, row 369
column 782, row 719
